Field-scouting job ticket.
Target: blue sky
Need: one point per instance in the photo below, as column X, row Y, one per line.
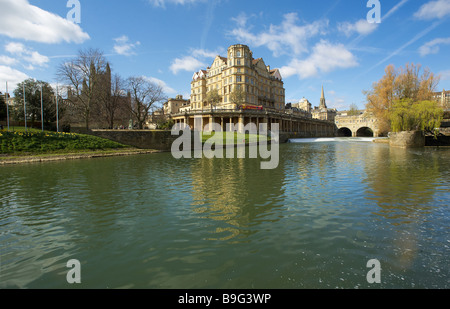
column 327, row 42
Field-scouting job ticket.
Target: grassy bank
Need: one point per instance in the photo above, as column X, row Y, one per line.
column 31, row 146
column 220, row 138
column 22, row 142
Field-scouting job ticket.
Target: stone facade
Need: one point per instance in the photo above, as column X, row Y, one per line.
column 407, row 139
column 176, row 105
column 323, row 112
column 261, row 85
column 443, row 98
column 355, row 126
column 142, row 139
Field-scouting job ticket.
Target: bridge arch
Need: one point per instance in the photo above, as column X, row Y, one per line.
column 345, row 132
column 365, row 132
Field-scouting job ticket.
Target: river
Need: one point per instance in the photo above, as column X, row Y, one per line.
column 154, row 222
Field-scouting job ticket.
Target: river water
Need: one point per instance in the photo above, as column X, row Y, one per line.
column 151, row 221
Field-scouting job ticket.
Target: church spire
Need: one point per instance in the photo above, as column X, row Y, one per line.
column 323, row 103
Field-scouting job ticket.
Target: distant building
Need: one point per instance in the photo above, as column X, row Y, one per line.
column 176, row 105
column 363, row 124
column 103, row 92
column 304, row 105
column 443, row 98
column 302, row 108
column 323, row 112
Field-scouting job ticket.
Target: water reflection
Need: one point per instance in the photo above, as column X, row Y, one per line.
column 156, row 222
column 232, row 193
column 404, row 187
column 403, row 184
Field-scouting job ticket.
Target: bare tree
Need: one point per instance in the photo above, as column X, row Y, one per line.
column 213, row 97
column 238, row 95
column 83, row 76
column 113, row 100
column 144, row 95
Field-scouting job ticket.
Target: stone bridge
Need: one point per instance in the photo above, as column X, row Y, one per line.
column 362, row 125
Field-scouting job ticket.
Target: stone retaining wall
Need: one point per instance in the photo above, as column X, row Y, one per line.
column 142, row 139
column 407, row 139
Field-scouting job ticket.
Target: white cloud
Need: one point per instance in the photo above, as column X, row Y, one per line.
column 445, row 75
column 12, row 76
column 240, row 20
column 27, row 55
column 195, row 61
column 202, row 53
column 124, row 47
column 7, row 60
column 432, row 47
column 162, row 84
column 187, row 63
column 287, row 38
column 162, row 3
column 15, row 48
column 325, row 57
column 28, row 22
column 362, row 27
column 433, row 9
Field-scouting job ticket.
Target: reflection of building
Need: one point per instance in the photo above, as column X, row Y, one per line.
column 260, row 85
column 225, row 193
column 323, row 112
column 443, row 98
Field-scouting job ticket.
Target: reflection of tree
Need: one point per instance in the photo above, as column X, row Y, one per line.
column 403, row 187
column 235, row 192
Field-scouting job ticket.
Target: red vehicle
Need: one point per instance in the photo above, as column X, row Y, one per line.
column 251, row 107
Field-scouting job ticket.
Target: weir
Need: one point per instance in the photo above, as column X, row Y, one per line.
column 332, row 140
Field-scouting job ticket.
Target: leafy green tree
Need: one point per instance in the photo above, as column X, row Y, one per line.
column 407, row 115
column 33, row 101
column 406, row 83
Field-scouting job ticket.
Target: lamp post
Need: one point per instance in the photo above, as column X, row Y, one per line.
column 42, row 111
column 24, row 106
column 57, row 109
column 7, row 105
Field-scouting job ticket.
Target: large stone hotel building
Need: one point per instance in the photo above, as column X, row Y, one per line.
column 260, row 86
column 246, row 90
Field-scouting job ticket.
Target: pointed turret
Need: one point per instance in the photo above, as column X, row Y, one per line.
column 323, row 103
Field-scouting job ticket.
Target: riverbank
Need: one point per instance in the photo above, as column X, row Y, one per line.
column 49, row 157
column 430, row 141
